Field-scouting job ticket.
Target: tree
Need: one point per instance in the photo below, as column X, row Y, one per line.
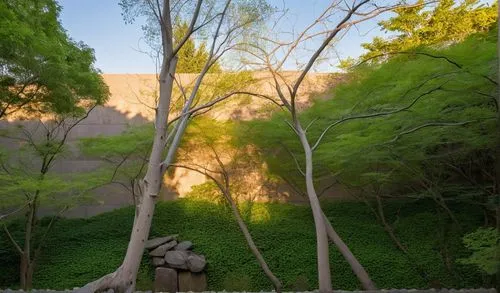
column 484, row 242
column 449, row 21
column 273, row 55
column 225, row 22
column 419, row 126
column 43, row 74
column 212, row 137
column 41, row 69
column 29, row 183
column 191, row 58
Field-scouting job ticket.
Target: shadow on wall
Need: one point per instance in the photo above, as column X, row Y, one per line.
column 131, row 104
column 102, row 121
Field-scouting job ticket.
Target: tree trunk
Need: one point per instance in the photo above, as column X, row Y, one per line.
column 26, row 273
column 356, row 267
column 497, row 163
column 26, row 269
column 324, row 276
column 387, row 227
column 244, row 229
column 390, row 231
column 124, row 278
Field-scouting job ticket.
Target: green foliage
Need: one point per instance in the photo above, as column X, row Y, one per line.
column 127, row 152
column 449, row 21
column 394, row 152
column 237, row 282
column 192, row 58
column 240, row 17
column 41, row 68
column 207, row 191
column 133, row 140
column 283, row 232
column 485, row 246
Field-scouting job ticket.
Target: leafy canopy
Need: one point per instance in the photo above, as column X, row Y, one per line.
column 485, row 244
column 192, row 59
column 42, row 70
column 390, row 150
column 449, row 21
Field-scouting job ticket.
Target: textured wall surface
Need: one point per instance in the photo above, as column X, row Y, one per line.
column 131, row 103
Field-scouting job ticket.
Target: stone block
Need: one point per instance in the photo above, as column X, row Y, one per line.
column 177, row 259
column 195, row 282
column 184, row 245
column 196, row 263
column 165, row 280
column 162, row 249
column 158, row 261
column 153, row 243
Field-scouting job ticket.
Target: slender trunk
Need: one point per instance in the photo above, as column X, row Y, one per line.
column 256, row 252
column 26, row 270
column 497, row 162
column 441, row 202
column 23, row 270
column 356, row 267
column 140, row 233
column 26, row 273
column 324, row 275
column 124, row 278
column 390, row 231
column 387, row 227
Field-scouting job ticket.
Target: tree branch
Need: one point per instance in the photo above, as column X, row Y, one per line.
column 372, row 115
column 435, row 124
column 18, row 248
column 191, row 28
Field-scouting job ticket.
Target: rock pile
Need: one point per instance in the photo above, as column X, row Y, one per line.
column 178, row 269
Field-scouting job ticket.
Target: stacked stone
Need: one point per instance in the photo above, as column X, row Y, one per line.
column 178, row 269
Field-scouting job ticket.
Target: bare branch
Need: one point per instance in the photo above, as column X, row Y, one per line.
column 191, row 27
column 14, row 242
column 372, row 115
column 325, row 43
column 435, row 124
column 295, row 160
column 310, row 124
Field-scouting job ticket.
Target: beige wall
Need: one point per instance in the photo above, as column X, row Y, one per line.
column 131, row 103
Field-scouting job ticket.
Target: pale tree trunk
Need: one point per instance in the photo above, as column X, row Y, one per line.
column 325, row 230
column 251, row 244
column 324, row 275
column 356, row 267
column 124, row 278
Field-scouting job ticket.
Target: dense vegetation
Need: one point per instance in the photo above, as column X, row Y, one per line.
column 419, row 126
column 448, row 103
column 412, row 134
column 44, row 75
column 450, row 21
column 49, row 72
column 78, row 246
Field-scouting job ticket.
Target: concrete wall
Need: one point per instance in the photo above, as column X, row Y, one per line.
column 131, row 103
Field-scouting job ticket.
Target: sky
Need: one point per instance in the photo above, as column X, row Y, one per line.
column 117, row 45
